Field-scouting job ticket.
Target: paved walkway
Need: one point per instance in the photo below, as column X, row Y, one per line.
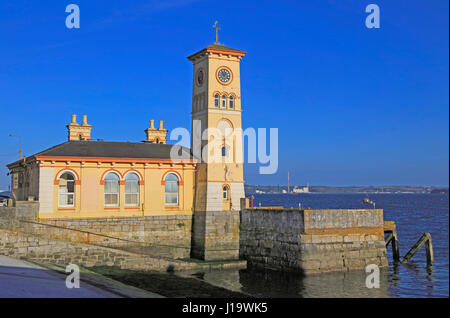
column 26, row 280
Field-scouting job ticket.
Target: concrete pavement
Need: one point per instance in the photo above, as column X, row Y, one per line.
column 25, row 280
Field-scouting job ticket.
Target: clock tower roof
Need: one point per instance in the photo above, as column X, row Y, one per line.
column 218, row 49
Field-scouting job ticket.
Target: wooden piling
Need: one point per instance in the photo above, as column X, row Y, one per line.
column 424, row 239
column 429, row 250
column 391, row 231
column 395, row 247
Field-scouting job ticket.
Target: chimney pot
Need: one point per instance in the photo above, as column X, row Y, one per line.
column 152, row 124
column 85, row 120
column 161, row 125
column 74, row 119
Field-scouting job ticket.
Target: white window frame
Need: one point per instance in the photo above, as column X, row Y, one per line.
column 225, row 193
column 224, row 101
column 178, row 190
column 216, row 100
column 231, row 102
column 137, row 194
column 66, row 193
column 105, row 193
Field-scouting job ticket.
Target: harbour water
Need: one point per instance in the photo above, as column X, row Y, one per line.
column 413, row 214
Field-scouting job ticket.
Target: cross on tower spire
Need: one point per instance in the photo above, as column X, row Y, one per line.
column 217, row 27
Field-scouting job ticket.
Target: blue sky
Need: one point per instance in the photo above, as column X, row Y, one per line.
column 354, row 106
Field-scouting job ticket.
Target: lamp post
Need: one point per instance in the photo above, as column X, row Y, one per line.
column 20, row 144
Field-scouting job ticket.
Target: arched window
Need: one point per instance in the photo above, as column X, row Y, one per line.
column 224, row 101
column 231, row 101
column 226, row 193
column 66, row 190
column 171, row 189
column 216, row 100
column 132, row 189
column 224, row 151
column 112, row 189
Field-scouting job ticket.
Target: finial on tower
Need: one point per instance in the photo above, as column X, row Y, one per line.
column 217, row 27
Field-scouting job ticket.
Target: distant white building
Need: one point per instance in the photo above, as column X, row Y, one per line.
column 298, row 189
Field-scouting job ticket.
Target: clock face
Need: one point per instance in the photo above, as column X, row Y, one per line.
column 200, row 77
column 224, row 75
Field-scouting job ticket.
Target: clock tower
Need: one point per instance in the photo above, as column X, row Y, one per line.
column 216, row 108
column 216, row 141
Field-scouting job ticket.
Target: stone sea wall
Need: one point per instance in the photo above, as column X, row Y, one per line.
column 166, row 236
column 215, row 235
column 311, row 240
column 45, row 250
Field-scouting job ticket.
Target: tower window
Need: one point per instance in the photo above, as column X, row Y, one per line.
column 216, row 100
column 224, row 101
column 231, row 101
column 226, row 195
column 224, row 151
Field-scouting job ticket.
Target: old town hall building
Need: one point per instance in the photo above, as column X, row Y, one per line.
column 87, row 178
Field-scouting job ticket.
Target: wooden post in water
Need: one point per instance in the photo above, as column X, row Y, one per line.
column 395, row 247
column 390, row 229
column 424, row 239
column 429, row 250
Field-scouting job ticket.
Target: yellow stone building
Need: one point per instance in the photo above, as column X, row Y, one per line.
column 86, row 178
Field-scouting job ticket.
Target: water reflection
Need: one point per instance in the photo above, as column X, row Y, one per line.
column 274, row 284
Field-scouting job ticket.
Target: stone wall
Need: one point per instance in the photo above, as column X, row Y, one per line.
column 312, row 241
column 45, row 250
column 215, row 235
column 168, row 236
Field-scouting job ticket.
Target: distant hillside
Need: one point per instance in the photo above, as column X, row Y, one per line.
column 251, row 189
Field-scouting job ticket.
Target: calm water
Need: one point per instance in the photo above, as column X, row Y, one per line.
column 413, row 214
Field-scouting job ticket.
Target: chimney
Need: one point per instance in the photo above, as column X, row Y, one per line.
column 79, row 132
column 154, row 135
column 85, row 121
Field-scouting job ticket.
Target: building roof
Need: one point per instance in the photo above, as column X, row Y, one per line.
column 219, row 48
column 106, row 149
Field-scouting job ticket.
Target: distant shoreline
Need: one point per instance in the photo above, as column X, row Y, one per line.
column 261, row 189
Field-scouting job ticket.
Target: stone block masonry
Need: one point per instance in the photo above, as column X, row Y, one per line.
column 215, row 235
column 312, row 241
column 45, row 250
column 167, row 236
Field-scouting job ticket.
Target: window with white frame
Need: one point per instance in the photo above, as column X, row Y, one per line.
column 224, row 151
column 111, row 189
column 216, row 100
column 132, row 189
column 225, row 193
column 66, row 190
column 231, row 103
column 224, row 101
column 171, row 189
